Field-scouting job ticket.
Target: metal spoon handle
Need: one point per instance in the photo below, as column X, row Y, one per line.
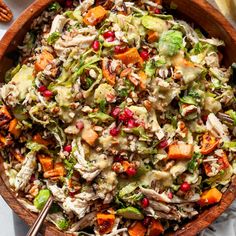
column 36, row 226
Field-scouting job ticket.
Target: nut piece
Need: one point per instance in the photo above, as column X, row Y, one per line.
column 5, row 12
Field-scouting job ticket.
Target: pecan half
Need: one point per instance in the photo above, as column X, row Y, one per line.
column 5, row 12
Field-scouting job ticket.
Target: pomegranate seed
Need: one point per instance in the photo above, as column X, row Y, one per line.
column 114, row 132
column 47, row 93
column 115, row 112
column 145, row 202
column 109, row 34
column 170, row 195
column 147, row 221
column 131, row 171
column 32, row 178
column 132, row 123
column 144, row 54
column 67, row 148
column 80, row 125
column 122, row 117
column 120, row 49
column 71, row 194
column 42, row 88
column 163, row 144
column 110, row 39
column 185, row 187
column 96, row 45
column 157, row 11
column 204, row 118
column 118, row 159
column 69, row 3
column 128, row 113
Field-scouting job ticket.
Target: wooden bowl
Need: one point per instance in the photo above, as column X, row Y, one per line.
column 198, row 11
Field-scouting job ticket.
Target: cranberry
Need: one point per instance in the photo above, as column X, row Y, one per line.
column 144, row 54
column 145, row 202
column 114, row 132
column 131, row 171
column 170, row 195
column 80, row 125
column 204, row 118
column 47, row 93
column 42, row 88
column 185, row 187
column 96, row 45
column 67, row 148
column 69, row 3
column 109, row 34
column 119, row 49
column 115, row 112
column 118, row 159
column 128, row 113
column 163, row 144
column 71, row 194
column 157, row 11
column 32, row 178
column 147, row 221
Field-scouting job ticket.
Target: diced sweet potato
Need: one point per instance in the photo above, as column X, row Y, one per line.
column 14, row 128
column 40, row 140
column 110, row 77
column 209, row 143
column 19, row 157
column 155, row 228
column 89, row 136
column 95, row 15
column 222, row 161
column 5, row 116
column 180, row 151
column 131, row 56
column 143, row 79
column 44, row 59
column 59, row 170
column 46, row 162
column 210, row 197
column 105, row 222
column 5, row 141
column 137, row 229
column 152, row 36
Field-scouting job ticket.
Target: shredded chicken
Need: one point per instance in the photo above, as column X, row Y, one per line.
column 23, row 176
column 218, row 129
column 58, row 24
column 164, row 198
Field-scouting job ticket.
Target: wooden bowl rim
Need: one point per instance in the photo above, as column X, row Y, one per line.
column 190, row 229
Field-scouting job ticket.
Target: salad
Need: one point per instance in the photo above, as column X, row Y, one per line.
column 121, row 112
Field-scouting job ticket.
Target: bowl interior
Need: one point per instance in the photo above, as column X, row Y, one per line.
column 198, row 11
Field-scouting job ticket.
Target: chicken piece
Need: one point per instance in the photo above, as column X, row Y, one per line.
column 58, row 24
column 26, row 171
column 152, row 194
column 107, row 183
column 80, row 205
column 58, row 193
column 214, row 125
column 87, row 170
column 86, row 221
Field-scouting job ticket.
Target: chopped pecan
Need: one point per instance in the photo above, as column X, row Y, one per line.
column 5, row 12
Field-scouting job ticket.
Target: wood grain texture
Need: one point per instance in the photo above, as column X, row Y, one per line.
column 198, row 11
